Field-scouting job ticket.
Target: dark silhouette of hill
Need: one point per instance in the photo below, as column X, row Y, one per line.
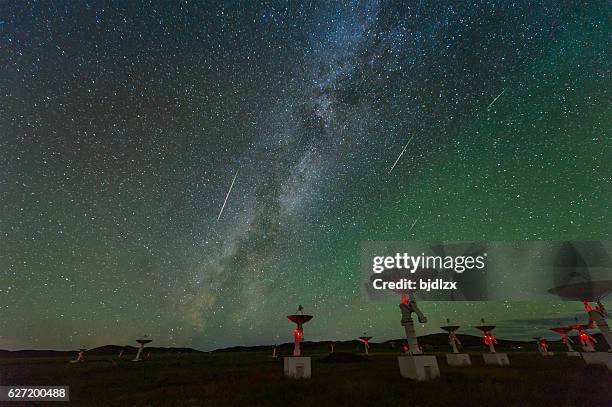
column 115, row 349
column 106, row 350
column 432, row 342
column 31, row 353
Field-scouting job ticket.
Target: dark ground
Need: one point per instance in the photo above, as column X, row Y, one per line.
column 254, row 378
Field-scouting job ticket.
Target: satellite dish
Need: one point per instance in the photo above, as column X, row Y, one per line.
column 562, row 330
column 450, row 328
column 299, row 318
column 576, row 262
column 142, row 342
column 366, row 342
column 584, row 291
column 580, row 327
column 298, row 333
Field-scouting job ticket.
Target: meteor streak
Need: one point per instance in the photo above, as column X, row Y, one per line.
column 401, row 154
column 227, row 196
column 413, row 223
column 491, row 104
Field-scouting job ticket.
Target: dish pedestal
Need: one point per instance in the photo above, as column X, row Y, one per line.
column 418, row 367
column 297, row 367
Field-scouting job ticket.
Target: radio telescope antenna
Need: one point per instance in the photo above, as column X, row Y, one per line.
column 365, row 339
column 588, row 292
column 80, row 356
column 492, row 358
column 413, row 364
column 586, row 339
column 298, row 366
column 455, row 358
column 563, row 331
column 408, row 306
column 142, row 342
column 542, row 344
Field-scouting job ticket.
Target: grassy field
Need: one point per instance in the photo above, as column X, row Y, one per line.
column 254, row 378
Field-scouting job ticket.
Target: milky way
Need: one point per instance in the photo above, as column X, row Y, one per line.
column 123, row 126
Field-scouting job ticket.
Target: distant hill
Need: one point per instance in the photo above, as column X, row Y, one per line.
column 432, row 342
column 111, row 350
column 27, row 353
column 115, row 349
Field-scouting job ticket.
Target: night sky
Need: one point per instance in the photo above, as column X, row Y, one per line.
column 122, row 127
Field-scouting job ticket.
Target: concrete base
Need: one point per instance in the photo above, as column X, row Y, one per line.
column 498, row 359
column 598, row 358
column 458, row 359
column 572, row 353
column 297, row 367
column 548, row 354
column 418, row 367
